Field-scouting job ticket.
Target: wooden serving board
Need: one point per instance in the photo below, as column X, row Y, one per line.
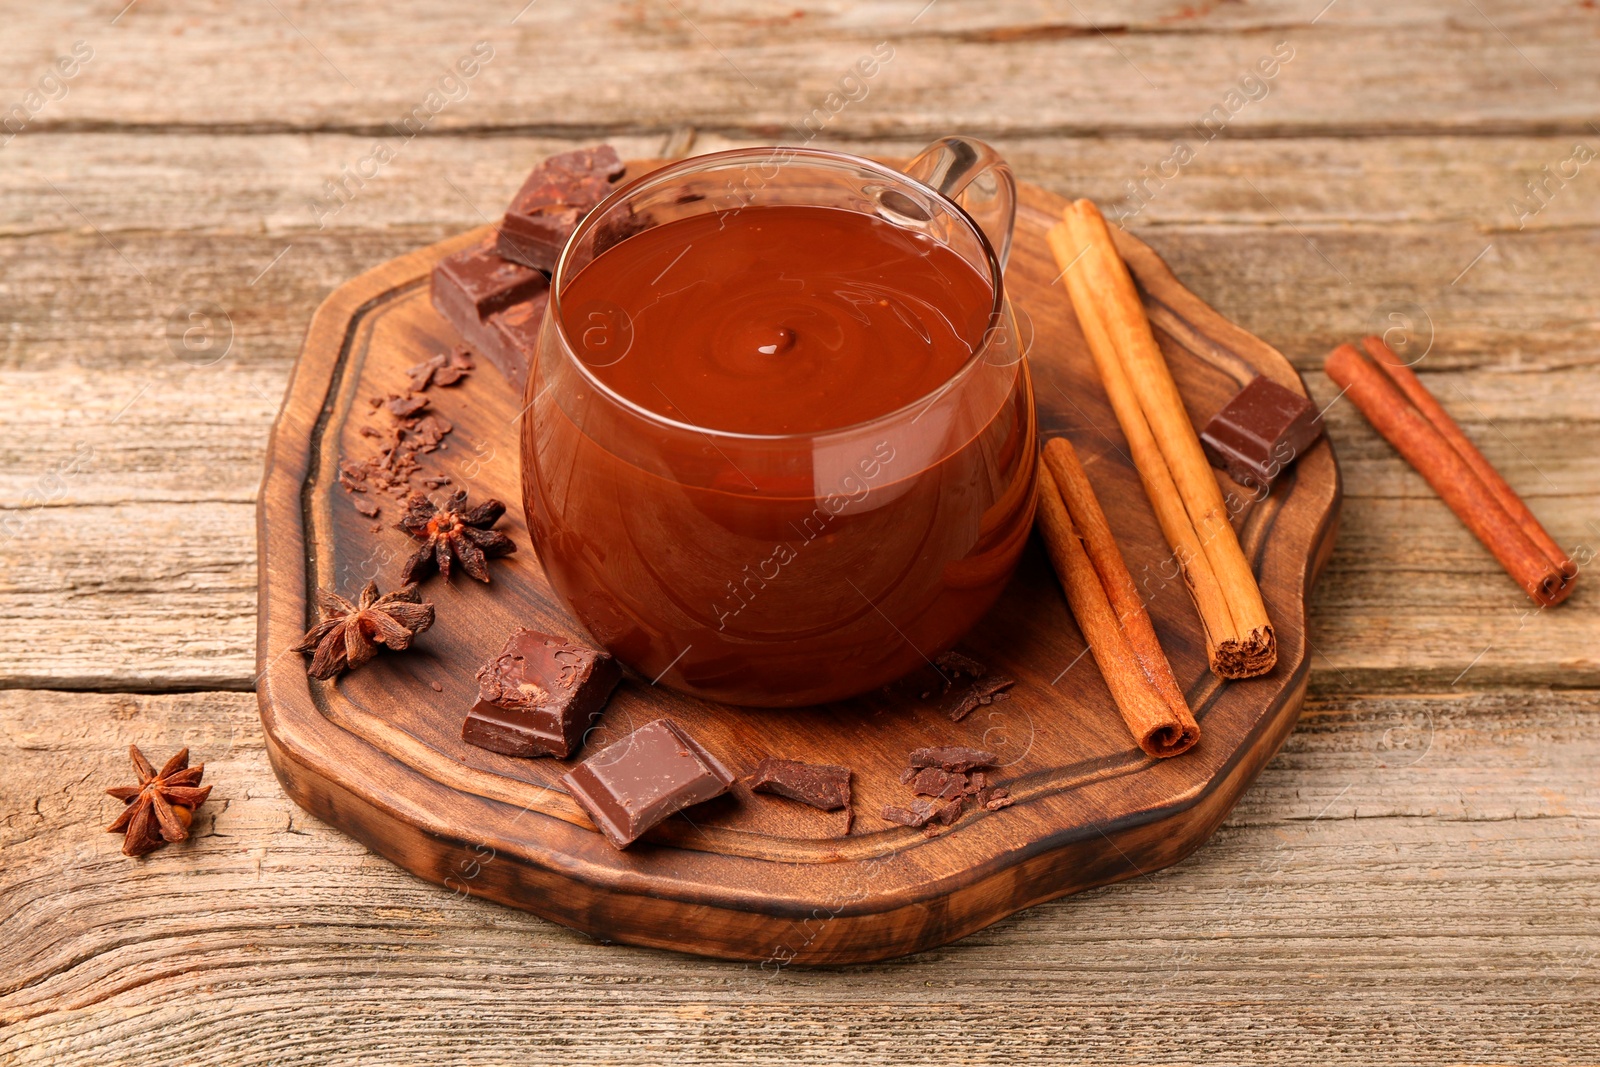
column 749, row 876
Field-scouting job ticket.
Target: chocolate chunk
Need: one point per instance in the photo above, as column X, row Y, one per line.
column 1260, row 431
column 446, row 368
column 632, row 785
column 955, row 664
column 366, row 507
column 551, row 203
column 949, row 813
column 937, row 782
column 997, row 799
column 916, row 814
column 475, row 283
column 939, row 676
column 822, row 785
column 952, row 758
column 617, row 227
column 538, row 696
column 980, row 692
column 406, row 406
column 513, row 337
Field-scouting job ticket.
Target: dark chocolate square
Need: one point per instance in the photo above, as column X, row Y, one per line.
column 538, row 696
column 475, row 283
column 1258, row 433
column 513, row 338
column 554, row 199
column 635, row 783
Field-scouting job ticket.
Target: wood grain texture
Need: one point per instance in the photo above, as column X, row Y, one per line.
column 1005, row 68
column 380, row 753
column 1413, row 879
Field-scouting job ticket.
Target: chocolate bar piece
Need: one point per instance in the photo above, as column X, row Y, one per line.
column 952, row 758
column 632, row 785
column 538, row 696
column 474, row 289
column 476, row 282
column 1260, row 431
column 551, row 203
column 513, row 339
column 822, row 785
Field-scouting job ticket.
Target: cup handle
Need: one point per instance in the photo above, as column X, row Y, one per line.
column 974, row 175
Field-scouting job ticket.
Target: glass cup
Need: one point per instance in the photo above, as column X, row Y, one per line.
column 797, row 568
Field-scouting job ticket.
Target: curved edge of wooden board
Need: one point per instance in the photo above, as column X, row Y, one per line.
column 731, row 923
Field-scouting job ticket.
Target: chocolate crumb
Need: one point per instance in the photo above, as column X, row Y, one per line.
column 366, row 507
column 436, row 687
column 982, row 691
column 998, row 799
column 959, row 663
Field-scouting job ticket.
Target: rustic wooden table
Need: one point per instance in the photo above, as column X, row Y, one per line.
column 1415, row 878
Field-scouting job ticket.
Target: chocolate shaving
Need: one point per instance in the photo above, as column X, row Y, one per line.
column 446, row 368
column 405, row 406
column 950, row 778
column 916, row 814
column 822, row 785
column 938, row 677
column 394, row 468
column 952, row 758
column 982, row 691
column 997, row 799
column 936, row 782
column 959, row 663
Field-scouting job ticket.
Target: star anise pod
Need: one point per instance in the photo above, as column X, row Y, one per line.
column 161, row 806
column 453, row 534
column 349, row 634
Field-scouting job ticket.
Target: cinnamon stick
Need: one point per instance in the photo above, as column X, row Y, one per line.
column 1409, row 384
column 1427, row 449
column 1239, row 637
column 1124, row 646
column 1209, row 601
